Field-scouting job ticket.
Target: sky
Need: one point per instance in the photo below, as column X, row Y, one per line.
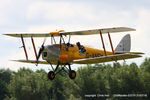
column 18, row 16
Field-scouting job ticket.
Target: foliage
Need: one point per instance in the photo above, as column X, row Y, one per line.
column 99, row 79
column 5, row 77
column 29, row 85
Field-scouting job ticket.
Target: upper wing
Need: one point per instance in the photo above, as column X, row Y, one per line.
column 106, row 58
column 97, row 31
column 84, row 32
column 30, row 35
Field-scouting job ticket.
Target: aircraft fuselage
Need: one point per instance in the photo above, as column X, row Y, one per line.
column 70, row 52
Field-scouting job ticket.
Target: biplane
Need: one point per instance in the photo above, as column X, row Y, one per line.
column 64, row 54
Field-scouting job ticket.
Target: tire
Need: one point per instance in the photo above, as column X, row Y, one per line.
column 72, row 74
column 51, row 75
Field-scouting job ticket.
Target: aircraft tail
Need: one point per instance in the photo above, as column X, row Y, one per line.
column 124, row 45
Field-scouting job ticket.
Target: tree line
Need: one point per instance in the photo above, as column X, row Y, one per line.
column 100, row 81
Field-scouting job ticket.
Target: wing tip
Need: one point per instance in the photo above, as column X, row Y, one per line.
column 130, row 29
column 12, row 35
column 6, row 34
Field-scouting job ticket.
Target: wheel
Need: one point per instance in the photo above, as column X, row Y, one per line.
column 51, row 75
column 72, row 74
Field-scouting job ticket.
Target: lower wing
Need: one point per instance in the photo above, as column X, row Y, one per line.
column 106, row 58
column 33, row 61
column 89, row 60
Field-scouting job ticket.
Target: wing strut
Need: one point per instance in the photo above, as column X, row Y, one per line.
column 34, row 47
column 111, row 43
column 60, row 41
column 24, row 47
column 103, row 43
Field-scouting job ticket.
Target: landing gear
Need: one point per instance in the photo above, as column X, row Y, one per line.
column 71, row 73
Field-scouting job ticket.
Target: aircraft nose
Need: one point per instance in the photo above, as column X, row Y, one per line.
column 51, row 53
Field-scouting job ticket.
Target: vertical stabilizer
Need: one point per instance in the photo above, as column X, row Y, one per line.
column 124, row 45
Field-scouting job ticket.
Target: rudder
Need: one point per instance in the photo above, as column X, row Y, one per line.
column 124, row 45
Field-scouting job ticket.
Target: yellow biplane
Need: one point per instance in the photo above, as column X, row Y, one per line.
column 63, row 53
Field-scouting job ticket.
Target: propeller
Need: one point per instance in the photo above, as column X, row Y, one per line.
column 40, row 51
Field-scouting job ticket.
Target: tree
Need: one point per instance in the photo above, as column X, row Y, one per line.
column 58, row 86
column 117, row 78
column 29, row 85
column 88, row 82
column 146, row 65
column 5, row 77
column 145, row 76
